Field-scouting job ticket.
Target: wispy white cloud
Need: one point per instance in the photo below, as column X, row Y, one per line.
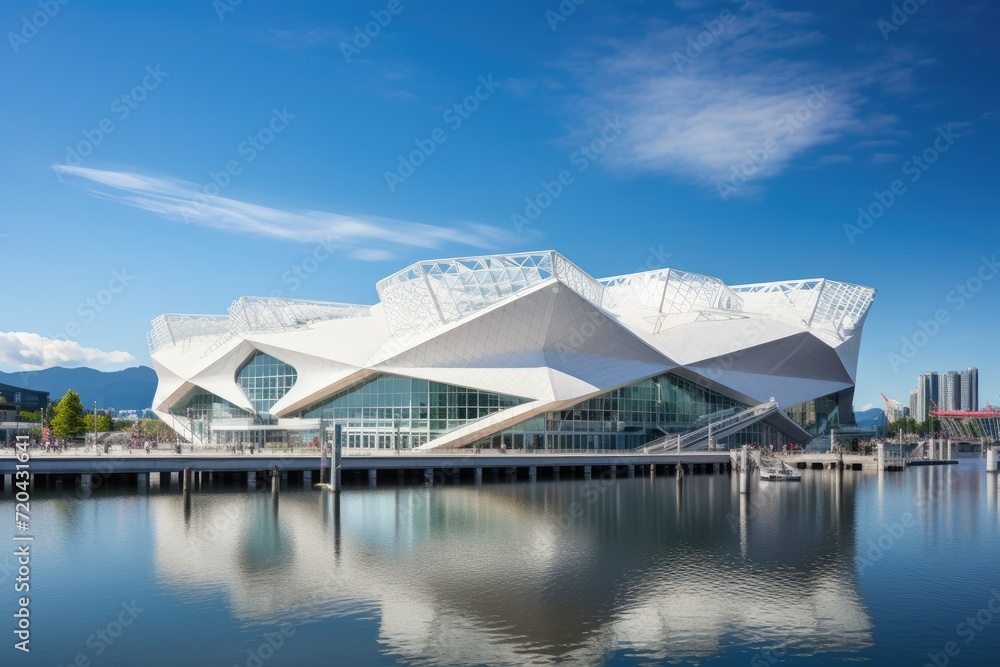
column 29, row 351
column 698, row 104
column 367, row 238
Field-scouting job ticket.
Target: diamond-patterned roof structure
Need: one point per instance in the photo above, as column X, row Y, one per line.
column 533, row 325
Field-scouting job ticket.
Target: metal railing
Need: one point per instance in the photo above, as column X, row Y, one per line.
column 691, row 438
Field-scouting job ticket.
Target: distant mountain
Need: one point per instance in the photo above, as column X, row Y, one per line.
column 870, row 418
column 129, row 389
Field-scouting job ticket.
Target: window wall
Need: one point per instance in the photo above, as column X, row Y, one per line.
column 264, row 381
column 622, row 418
column 390, row 411
column 817, row 416
column 202, row 408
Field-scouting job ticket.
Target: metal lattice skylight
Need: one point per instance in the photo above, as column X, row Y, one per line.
column 670, row 291
column 173, row 329
column 246, row 315
column 825, row 305
column 429, row 294
column 254, row 314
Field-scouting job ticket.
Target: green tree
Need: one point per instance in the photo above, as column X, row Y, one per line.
column 67, row 419
column 26, row 416
column 103, row 422
column 906, row 425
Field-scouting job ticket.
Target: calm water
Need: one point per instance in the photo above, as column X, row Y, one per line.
column 883, row 570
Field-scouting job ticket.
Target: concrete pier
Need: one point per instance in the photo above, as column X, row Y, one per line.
column 275, row 482
column 991, row 460
column 158, row 471
column 8, row 484
column 372, row 478
column 85, row 482
column 429, row 476
column 479, row 476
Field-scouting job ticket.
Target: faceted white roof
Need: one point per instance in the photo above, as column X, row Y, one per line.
column 532, row 325
column 429, row 294
column 247, row 314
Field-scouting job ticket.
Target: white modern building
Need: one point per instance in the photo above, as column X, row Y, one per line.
column 526, row 350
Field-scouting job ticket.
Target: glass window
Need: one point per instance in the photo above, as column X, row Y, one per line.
column 265, row 380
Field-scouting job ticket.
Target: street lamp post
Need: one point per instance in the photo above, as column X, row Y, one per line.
column 95, row 428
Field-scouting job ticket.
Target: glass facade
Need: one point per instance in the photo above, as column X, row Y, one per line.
column 817, row 416
column 201, row 408
column 389, row 410
column 622, row 418
column 264, row 381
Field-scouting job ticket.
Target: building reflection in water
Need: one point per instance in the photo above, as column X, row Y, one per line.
column 538, row 573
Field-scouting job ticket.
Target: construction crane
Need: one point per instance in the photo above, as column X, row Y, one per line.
column 889, row 409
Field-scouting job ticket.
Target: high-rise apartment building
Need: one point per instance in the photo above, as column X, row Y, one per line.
column 952, row 399
column 970, row 389
column 928, row 391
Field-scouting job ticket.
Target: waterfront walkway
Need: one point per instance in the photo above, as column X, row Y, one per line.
column 357, row 467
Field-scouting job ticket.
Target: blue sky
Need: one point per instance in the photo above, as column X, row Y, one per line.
column 170, row 157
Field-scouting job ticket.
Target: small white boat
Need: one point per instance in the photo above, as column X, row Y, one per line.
column 779, row 472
